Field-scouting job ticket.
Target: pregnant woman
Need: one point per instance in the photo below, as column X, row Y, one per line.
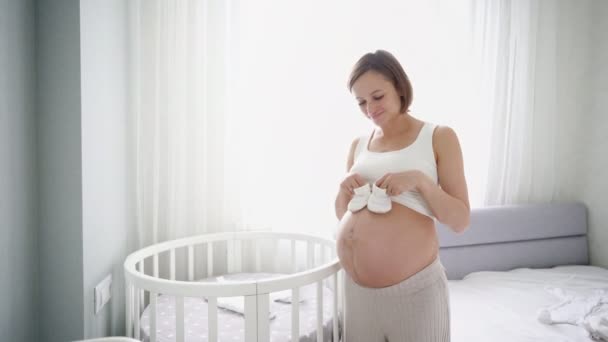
column 400, row 178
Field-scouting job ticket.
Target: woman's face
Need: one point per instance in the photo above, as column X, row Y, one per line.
column 377, row 97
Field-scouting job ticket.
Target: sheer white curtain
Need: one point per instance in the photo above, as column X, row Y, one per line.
column 241, row 118
column 516, row 42
column 184, row 172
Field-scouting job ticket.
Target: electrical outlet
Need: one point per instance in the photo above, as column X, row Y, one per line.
column 103, row 293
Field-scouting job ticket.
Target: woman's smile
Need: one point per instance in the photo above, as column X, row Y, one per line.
column 376, row 115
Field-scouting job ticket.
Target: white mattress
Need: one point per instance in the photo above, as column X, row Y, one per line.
column 502, row 306
column 231, row 325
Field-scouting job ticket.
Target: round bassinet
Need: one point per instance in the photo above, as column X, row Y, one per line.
column 238, row 286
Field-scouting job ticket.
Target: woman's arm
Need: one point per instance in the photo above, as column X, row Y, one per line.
column 343, row 197
column 449, row 201
column 341, row 204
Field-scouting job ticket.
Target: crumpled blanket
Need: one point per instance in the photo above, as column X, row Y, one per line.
column 589, row 311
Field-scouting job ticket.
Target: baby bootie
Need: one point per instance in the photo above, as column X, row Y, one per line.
column 359, row 200
column 379, row 202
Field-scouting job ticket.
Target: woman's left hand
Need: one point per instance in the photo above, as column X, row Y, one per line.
column 397, row 183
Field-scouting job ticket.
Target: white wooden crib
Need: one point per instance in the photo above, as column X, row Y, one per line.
column 144, row 285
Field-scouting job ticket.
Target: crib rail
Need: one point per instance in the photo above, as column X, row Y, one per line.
column 322, row 269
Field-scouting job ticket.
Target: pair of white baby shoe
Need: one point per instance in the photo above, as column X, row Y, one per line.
column 375, row 198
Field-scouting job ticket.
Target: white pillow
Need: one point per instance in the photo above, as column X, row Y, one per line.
column 237, row 305
column 285, row 297
column 306, row 292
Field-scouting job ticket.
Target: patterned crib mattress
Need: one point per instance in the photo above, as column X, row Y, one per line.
column 231, row 325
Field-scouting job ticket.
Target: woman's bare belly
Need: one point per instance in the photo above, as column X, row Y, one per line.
column 379, row 250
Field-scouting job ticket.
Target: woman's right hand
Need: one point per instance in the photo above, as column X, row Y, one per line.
column 346, row 193
column 351, row 182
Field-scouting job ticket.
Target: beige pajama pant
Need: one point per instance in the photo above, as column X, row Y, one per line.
column 414, row 310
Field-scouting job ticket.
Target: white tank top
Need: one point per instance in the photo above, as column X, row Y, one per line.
column 417, row 156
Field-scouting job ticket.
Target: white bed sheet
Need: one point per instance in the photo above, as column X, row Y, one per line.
column 502, row 306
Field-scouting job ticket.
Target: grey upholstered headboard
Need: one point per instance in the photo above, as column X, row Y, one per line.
column 506, row 237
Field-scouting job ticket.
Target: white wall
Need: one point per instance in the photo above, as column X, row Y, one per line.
column 582, row 92
column 103, row 39
column 82, row 129
column 18, row 179
column 59, row 172
column 594, row 142
column 572, row 89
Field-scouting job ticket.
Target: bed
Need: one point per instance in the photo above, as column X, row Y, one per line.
column 501, row 271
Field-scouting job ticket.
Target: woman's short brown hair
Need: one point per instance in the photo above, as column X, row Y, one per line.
column 388, row 66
